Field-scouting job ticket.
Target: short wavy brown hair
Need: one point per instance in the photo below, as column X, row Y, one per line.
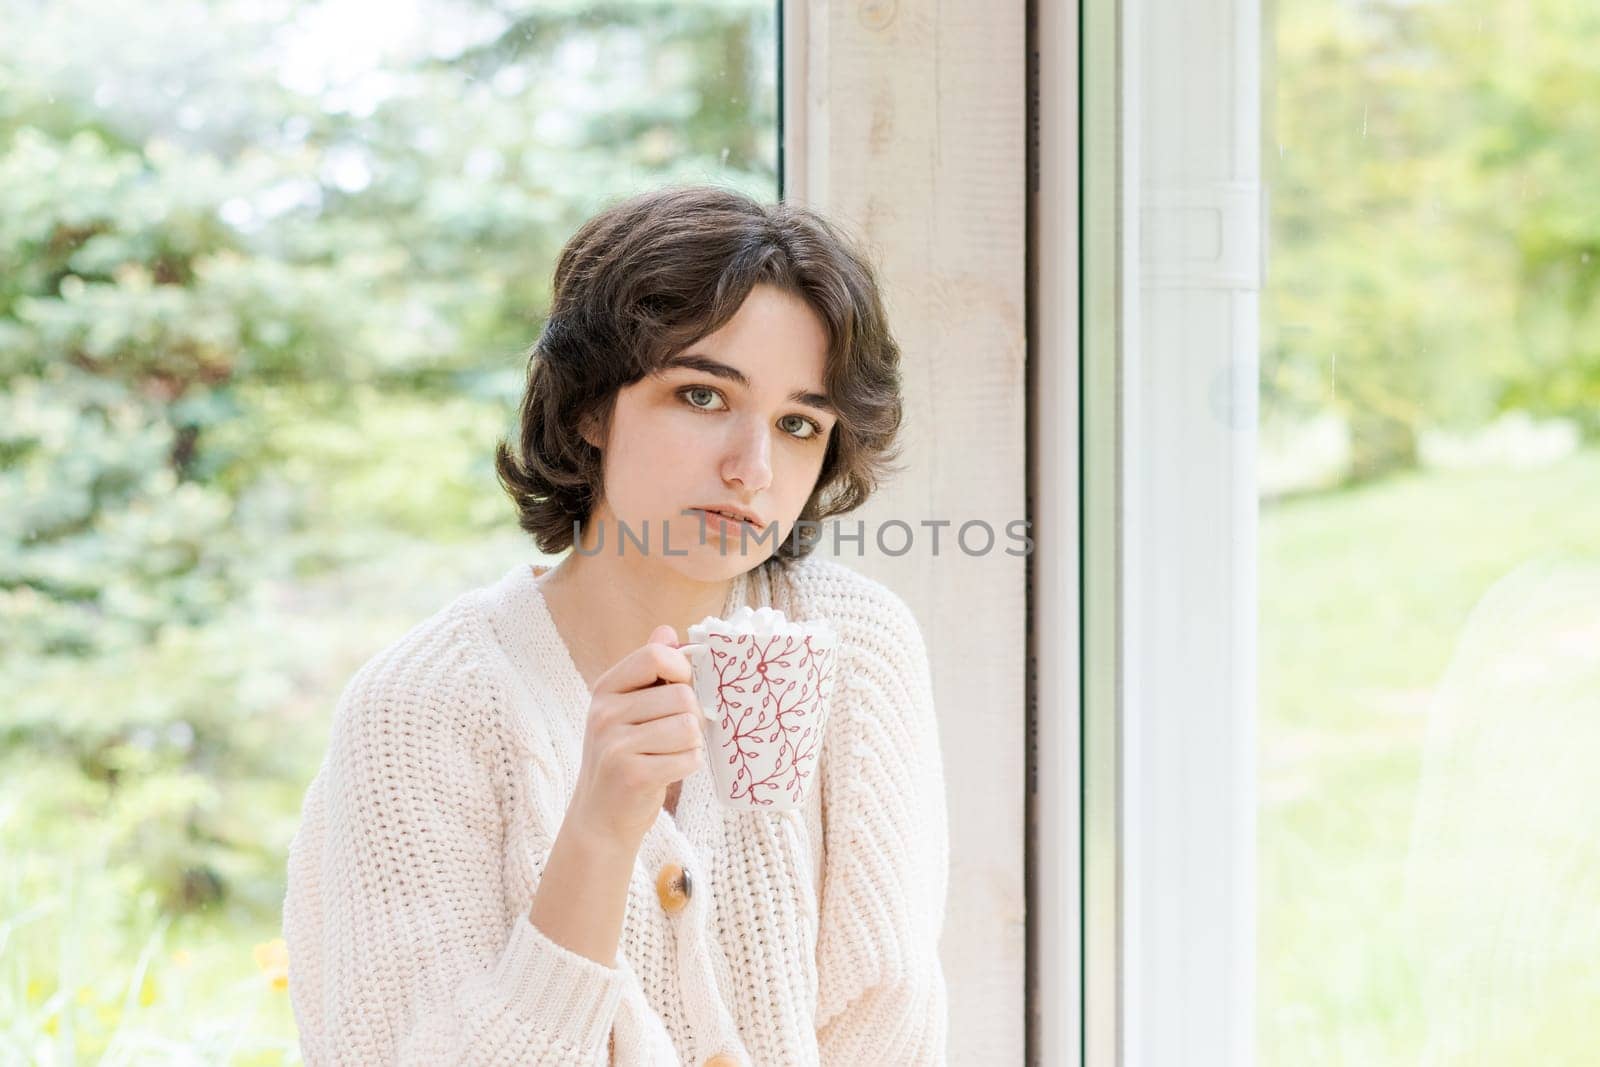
column 653, row 274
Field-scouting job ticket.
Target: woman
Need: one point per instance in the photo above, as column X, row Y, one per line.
column 512, row 854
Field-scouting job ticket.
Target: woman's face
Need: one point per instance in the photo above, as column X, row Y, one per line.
column 739, row 419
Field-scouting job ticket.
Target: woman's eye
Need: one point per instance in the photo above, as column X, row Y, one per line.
column 803, row 427
column 797, row 426
column 697, row 390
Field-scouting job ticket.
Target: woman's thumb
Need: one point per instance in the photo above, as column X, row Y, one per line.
column 664, row 635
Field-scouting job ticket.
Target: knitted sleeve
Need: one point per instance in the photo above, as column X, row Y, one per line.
column 402, row 946
column 881, row 993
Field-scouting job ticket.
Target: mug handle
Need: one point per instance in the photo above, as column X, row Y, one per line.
column 699, row 655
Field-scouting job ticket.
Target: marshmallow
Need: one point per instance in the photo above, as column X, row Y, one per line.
column 763, row 622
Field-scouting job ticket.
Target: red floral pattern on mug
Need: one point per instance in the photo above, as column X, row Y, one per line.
column 769, row 706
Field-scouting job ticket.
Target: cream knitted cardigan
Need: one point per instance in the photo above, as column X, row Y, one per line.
column 809, row 936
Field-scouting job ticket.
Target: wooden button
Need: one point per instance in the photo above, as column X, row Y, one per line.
column 673, row 887
column 721, row 1059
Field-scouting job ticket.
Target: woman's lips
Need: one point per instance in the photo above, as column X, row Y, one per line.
column 722, row 522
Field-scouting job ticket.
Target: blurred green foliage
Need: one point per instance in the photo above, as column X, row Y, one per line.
column 1435, row 243
column 268, row 274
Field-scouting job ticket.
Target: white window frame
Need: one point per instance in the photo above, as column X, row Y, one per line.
column 1172, row 262
column 1056, row 1000
column 1138, row 755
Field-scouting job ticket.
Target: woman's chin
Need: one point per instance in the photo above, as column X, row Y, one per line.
column 714, row 562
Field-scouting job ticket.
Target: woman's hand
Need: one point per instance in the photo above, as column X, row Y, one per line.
column 643, row 734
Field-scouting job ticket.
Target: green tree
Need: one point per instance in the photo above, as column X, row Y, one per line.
column 262, row 307
column 1431, row 260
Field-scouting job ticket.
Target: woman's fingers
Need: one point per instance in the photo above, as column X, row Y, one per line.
column 645, row 666
column 643, row 733
column 668, row 736
column 644, row 705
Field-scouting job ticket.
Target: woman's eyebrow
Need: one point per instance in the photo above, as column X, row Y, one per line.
column 719, row 369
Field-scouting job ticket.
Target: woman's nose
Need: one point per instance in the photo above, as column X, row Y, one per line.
column 749, row 460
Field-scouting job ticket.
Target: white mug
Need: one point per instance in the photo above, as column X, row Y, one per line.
column 764, row 699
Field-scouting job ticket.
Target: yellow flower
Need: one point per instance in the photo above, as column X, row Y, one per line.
column 270, row 954
column 85, row 994
column 147, row 991
column 36, row 990
column 272, row 957
column 52, row 1024
column 182, row 957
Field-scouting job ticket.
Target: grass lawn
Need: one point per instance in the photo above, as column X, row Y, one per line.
column 1374, row 666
